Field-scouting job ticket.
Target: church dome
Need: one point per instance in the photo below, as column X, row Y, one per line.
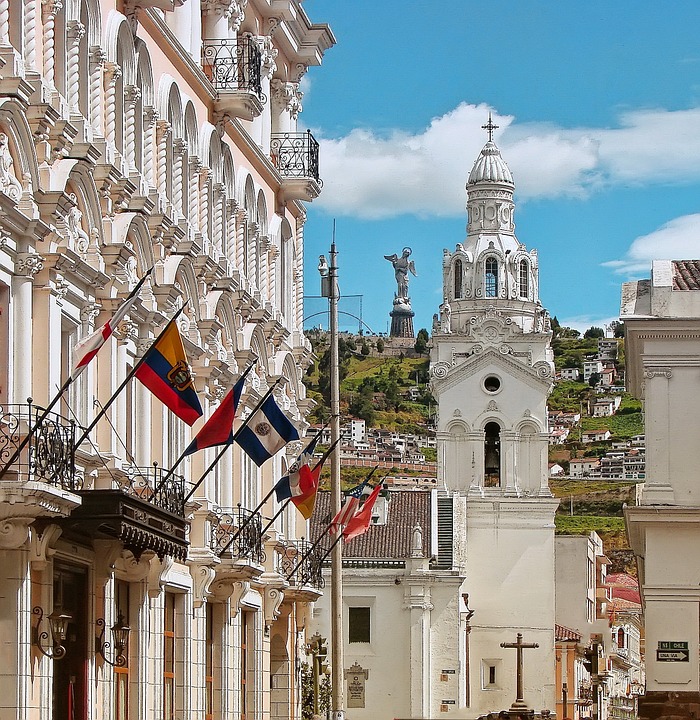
column 490, row 167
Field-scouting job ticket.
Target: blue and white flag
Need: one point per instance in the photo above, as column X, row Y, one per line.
column 266, row 431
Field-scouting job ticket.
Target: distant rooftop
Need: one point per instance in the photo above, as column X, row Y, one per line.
column 407, row 508
column 686, row 274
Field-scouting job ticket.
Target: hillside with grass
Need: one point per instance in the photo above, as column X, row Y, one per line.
column 377, row 388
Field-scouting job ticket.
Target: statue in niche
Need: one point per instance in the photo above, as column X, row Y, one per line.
column 9, row 183
column 401, row 267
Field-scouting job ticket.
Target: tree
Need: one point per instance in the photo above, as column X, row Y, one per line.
column 618, row 329
column 421, row 345
column 594, row 379
column 380, row 345
column 594, row 332
column 364, row 350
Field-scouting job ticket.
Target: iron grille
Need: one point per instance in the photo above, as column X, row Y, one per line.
column 238, row 532
column 233, row 64
column 300, row 563
column 157, row 486
column 49, row 455
column 295, row 155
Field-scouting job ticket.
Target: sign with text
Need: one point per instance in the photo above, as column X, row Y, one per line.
column 356, row 677
column 672, row 651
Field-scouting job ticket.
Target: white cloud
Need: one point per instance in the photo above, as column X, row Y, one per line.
column 678, row 239
column 372, row 176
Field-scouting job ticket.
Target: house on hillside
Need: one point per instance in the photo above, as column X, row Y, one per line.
column 589, row 436
column 570, row 373
column 583, row 467
column 591, row 367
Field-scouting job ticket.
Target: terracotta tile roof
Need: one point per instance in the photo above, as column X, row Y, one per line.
column 407, row 508
column 621, row 579
column 562, row 634
column 686, row 274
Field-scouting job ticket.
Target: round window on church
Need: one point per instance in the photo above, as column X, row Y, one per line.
column 492, row 384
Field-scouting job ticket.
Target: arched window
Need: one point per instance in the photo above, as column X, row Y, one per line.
column 492, row 455
column 458, row 279
column 524, row 279
column 491, row 277
column 620, row 638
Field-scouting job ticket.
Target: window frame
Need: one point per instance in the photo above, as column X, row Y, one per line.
column 491, row 277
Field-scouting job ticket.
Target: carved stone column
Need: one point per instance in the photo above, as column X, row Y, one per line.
column 150, row 118
column 111, row 77
column 98, row 57
column 162, row 133
column 50, row 8
column 193, row 193
column 132, row 95
column 4, row 22
column 204, row 186
column 27, row 266
column 76, row 32
column 217, row 229
column 179, row 153
column 30, row 38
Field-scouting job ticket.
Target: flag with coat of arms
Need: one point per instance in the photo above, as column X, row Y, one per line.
column 300, row 485
column 266, row 432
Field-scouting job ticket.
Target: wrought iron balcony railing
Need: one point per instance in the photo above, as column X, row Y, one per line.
column 239, row 532
column 147, row 484
column 295, row 155
column 48, row 456
column 234, row 64
column 302, row 565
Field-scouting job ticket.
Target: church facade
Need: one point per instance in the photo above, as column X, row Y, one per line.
column 492, row 371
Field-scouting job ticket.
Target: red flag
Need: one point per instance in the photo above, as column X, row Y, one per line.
column 218, row 429
column 360, row 522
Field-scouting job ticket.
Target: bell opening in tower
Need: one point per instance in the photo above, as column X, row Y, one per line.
column 492, row 455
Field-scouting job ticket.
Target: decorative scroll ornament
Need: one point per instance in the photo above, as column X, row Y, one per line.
column 650, row 373
column 543, row 369
column 440, row 370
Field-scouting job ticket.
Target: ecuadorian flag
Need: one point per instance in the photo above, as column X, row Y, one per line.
column 166, row 373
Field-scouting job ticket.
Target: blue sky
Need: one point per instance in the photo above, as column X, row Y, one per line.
column 598, row 104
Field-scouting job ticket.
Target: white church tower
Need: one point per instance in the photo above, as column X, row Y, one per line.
column 492, row 370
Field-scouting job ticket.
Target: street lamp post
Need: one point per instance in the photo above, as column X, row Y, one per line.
column 329, row 289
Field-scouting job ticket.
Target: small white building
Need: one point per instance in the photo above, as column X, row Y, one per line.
column 570, row 373
column 590, row 367
column 583, row 467
column 589, row 436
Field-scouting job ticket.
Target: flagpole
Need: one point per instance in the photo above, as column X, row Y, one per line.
column 245, row 523
column 127, row 378
column 338, row 690
column 184, row 453
column 283, row 507
column 311, row 549
column 38, row 423
column 235, row 435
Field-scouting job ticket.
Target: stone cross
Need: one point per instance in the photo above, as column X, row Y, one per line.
column 519, row 646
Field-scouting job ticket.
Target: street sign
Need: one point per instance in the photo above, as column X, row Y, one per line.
column 672, row 651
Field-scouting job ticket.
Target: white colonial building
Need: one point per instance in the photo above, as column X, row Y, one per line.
column 492, row 371
column 662, row 330
column 138, row 135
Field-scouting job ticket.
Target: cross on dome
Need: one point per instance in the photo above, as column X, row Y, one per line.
column 490, row 127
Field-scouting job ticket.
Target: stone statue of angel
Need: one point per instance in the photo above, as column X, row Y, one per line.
column 401, row 267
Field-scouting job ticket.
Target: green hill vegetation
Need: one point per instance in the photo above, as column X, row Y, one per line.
column 375, row 387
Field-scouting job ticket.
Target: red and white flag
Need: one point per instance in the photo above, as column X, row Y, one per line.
column 87, row 348
column 359, row 523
